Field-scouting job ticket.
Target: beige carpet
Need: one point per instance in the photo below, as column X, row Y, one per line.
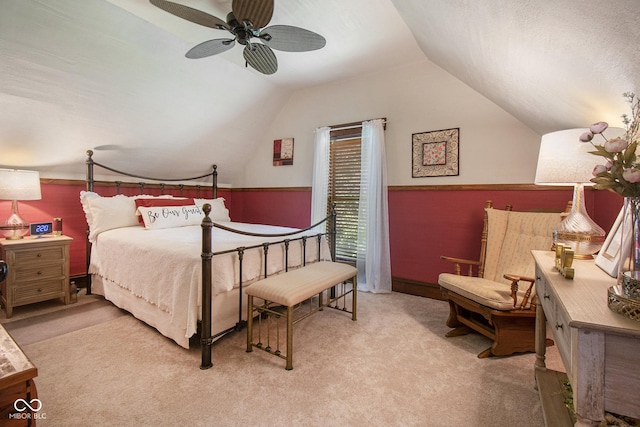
column 393, row 367
column 48, row 319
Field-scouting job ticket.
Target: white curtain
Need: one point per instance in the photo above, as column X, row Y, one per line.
column 373, row 259
column 320, row 188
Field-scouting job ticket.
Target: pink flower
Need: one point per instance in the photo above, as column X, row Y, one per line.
column 599, row 127
column 615, row 145
column 631, row 175
column 586, row 137
column 599, row 169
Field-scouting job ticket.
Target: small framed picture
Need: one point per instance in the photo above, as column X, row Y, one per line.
column 609, row 257
column 283, row 152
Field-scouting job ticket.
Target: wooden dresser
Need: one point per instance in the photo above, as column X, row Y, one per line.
column 600, row 349
column 38, row 270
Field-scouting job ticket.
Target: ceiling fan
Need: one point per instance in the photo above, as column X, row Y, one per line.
column 246, row 23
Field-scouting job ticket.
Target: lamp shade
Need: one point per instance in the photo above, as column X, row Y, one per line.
column 564, row 160
column 19, row 185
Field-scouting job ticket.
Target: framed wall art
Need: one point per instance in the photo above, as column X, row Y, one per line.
column 435, row 153
column 283, row 152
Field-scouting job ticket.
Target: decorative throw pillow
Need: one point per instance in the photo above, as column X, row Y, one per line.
column 157, row 201
column 170, row 216
column 219, row 211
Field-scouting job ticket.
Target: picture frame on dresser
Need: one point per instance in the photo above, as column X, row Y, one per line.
column 608, row 258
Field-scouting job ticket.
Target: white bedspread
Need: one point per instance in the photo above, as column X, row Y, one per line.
column 163, row 267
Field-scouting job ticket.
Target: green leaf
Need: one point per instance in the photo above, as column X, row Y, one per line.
column 600, row 151
column 630, row 154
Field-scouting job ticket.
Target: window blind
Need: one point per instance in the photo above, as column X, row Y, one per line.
column 344, row 191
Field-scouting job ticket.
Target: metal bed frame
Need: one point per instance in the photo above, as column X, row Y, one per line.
column 206, row 337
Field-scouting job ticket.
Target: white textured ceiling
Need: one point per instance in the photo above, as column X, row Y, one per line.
column 97, row 73
column 552, row 64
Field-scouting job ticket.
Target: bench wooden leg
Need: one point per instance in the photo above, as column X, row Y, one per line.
column 289, row 338
column 249, row 323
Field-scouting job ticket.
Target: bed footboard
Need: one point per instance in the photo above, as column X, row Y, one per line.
column 206, row 338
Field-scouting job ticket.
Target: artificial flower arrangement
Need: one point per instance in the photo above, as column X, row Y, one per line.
column 621, row 172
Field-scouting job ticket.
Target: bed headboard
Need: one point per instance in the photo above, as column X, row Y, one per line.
column 150, row 182
column 159, row 182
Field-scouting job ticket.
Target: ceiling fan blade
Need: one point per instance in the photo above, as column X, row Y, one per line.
column 291, row 39
column 261, row 58
column 210, row 48
column 259, row 12
column 191, row 14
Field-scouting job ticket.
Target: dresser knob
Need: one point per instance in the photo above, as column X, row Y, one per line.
column 39, row 289
column 39, row 255
column 558, row 325
column 39, row 273
column 546, row 296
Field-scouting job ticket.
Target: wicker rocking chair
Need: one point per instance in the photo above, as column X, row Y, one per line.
column 499, row 300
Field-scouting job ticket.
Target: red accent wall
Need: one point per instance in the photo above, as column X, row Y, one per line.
column 289, row 208
column 63, row 201
column 423, row 224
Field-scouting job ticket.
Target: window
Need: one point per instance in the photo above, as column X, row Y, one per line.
column 349, row 171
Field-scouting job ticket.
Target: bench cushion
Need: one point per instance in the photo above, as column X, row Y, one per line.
column 297, row 285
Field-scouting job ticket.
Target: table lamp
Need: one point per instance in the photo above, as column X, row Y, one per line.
column 564, row 160
column 17, row 185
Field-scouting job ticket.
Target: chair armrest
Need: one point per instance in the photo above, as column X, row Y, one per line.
column 458, row 261
column 514, row 290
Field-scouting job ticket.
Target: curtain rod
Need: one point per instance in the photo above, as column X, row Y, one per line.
column 384, row 122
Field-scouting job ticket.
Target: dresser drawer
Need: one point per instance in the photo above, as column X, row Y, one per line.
column 562, row 333
column 556, row 318
column 544, row 299
column 38, row 291
column 39, row 272
column 32, row 257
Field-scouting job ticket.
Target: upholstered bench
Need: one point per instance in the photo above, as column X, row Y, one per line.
column 289, row 289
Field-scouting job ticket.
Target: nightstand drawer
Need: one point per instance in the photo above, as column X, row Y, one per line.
column 32, row 257
column 39, row 272
column 39, row 291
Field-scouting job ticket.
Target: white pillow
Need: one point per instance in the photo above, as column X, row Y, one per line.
column 85, row 200
column 170, row 216
column 107, row 213
column 219, row 212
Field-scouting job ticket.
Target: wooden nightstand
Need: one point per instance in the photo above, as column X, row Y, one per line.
column 38, row 270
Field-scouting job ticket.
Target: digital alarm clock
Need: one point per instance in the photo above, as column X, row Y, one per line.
column 40, row 228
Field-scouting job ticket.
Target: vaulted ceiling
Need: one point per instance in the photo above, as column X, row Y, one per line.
column 111, row 75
